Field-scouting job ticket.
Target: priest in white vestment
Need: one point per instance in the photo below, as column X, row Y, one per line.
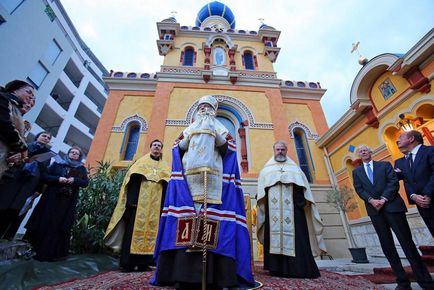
column 288, row 221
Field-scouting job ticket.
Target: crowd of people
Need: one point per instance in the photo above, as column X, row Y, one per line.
column 26, row 173
column 189, row 222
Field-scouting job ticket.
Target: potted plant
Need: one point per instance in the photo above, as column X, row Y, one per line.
column 342, row 199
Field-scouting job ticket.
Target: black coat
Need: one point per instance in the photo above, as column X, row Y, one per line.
column 18, row 183
column 419, row 179
column 385, row 185
column 11, row 123
column 49, row 227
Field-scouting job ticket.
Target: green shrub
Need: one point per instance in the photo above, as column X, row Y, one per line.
column 95, row 207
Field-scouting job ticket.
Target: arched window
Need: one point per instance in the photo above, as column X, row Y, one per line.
column 188, row 56
column 228, row 124
column 303, row 153
column 131, row 140
column 248, row 60
column 232, row 120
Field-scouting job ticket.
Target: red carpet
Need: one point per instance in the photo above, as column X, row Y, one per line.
column 385, row 275
column 140, row 280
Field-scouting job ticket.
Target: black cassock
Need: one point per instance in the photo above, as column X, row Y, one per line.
column 303, row 264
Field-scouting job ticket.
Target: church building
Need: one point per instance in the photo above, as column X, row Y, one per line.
column 214, row 57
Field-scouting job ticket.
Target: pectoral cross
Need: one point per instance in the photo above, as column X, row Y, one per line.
column 281, row 170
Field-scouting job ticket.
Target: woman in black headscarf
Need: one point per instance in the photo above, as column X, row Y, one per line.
column 21, row 182
column 49, row 227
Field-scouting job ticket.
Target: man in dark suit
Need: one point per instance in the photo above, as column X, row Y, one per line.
column 377, row 184
column 417, row 171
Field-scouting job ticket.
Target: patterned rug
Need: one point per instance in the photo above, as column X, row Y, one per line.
column 140, row 280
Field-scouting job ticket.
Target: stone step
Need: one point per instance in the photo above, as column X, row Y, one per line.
column 427, row 250
column 428, row 260
column 388, row 270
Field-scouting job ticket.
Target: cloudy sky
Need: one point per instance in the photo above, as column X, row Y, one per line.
column 316, row 35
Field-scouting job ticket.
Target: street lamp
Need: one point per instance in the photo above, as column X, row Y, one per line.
column 405, row 124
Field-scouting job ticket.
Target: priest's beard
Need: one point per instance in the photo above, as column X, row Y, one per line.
column 280, row 157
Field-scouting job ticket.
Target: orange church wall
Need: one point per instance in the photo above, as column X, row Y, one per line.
column 173, row 100
column 134, row 104
column 279, row 119
column 428, row 70
column 399, row 83
column 106, row 122
column 142, row 106
column 367, row 137
column 171, row 133
column 261, row 148
column 344, row 138
column 302, row 112
column 321, row 175
column 157, row 120
column 319, row 121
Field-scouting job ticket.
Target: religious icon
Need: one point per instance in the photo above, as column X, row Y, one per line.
column 219, row 56
column 387, row 89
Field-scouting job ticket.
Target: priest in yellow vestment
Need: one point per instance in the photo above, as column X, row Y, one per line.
column 133, row 228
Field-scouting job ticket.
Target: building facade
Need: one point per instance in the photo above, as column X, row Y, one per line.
column 391, row 93
column 213, row 57
column 41, row 46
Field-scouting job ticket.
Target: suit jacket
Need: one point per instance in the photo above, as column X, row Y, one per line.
column 420, row 178
column 385, row 185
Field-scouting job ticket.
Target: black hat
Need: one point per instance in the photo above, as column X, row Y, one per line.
column 16, row 85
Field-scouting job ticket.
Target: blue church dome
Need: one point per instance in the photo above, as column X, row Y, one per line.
column 215, row 8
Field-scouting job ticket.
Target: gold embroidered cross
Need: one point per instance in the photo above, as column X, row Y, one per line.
column 193, row 145
column 201, row 151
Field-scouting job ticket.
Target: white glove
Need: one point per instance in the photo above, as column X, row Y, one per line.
column 219, row 140
column 183, row 144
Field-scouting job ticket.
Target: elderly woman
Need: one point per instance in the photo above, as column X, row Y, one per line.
column 13, row 98
column 21, row 182
column 49, row 227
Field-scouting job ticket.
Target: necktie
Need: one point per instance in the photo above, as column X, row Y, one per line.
column 370, row 173
column 410, row 160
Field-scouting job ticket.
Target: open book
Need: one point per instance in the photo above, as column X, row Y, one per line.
column 43, row 156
